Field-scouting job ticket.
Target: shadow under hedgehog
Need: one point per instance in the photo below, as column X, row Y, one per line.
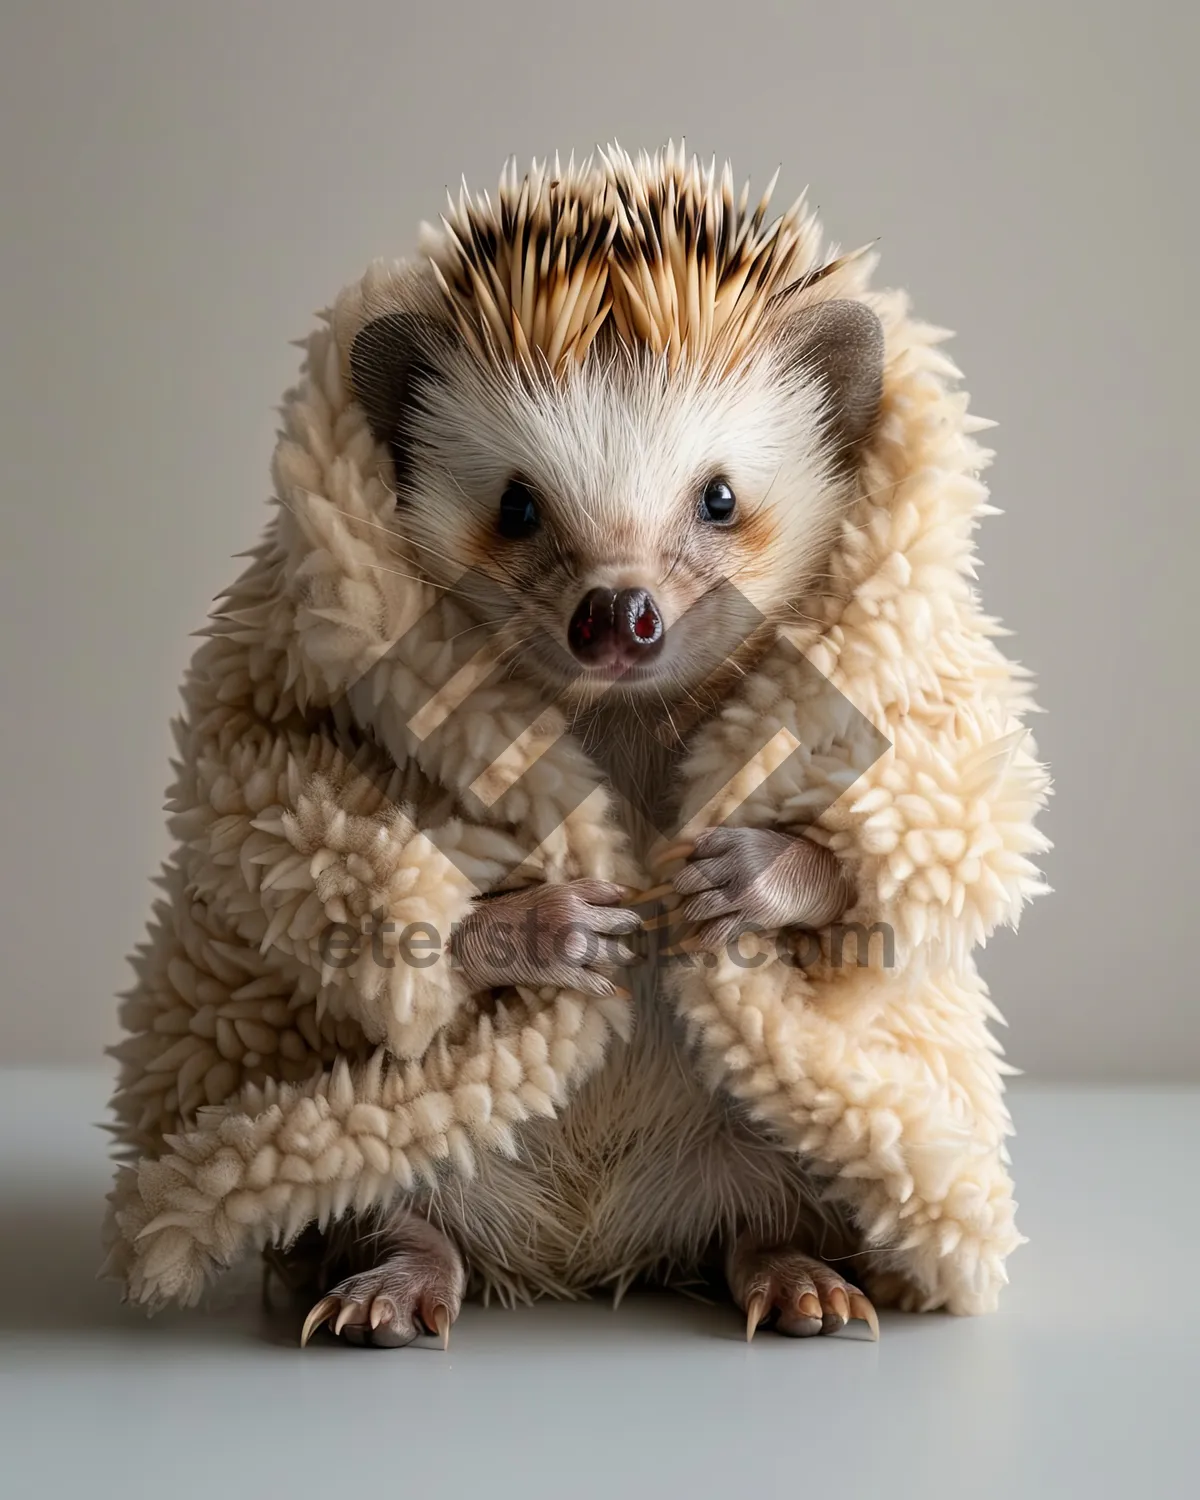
column 725, row 493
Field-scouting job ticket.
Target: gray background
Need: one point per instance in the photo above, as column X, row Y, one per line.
column 182, row 185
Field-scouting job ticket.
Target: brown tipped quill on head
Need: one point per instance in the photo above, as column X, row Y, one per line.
column 656, row 248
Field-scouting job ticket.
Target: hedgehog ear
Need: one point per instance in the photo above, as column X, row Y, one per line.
column 390, row 362
column 840, row 344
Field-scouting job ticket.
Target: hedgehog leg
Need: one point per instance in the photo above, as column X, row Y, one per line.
column 415, row 1286
column 795, row 1293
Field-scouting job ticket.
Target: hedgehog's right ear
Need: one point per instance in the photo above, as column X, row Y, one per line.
column 840, row 344
column 391, row 362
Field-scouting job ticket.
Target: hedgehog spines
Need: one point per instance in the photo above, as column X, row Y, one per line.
column 657, row 248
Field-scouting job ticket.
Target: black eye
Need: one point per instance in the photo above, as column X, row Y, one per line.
column 718, row 502
column 518, row 512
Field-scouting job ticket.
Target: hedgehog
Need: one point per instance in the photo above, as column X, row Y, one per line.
column 629, row 430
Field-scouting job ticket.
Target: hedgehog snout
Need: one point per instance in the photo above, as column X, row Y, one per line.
column 615, row 628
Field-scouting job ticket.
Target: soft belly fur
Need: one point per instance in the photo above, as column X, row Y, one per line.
column 647, row 1175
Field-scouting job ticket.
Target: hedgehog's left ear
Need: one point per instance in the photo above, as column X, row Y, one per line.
column 840, row 344
column 391, row 359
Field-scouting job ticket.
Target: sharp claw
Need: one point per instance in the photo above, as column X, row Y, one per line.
column 620, row 992
column 664, row 919
column 347, row 1312
column 839, row 1304
column 440, row 1321
column 809, row 1305
column 324, row 1309
column 382, row 1308
column 860, row 1307
column 652, row 893
column 756, row 1310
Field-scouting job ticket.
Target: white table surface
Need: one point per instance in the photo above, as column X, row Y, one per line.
column 1087, row 1383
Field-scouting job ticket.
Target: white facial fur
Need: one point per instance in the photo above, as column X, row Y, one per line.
column 618, row 453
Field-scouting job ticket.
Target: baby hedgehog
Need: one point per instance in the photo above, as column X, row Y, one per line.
column 606, row 396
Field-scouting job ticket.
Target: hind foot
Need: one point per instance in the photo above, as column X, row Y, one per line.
column 796, row 1294
column 417, row 1287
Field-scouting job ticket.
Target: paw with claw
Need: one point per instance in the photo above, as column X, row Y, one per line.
column 570, row 935
column 737, row 879
column 794, row 1294
column 418, row 1288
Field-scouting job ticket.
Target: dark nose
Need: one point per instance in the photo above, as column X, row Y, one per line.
column 615, row 628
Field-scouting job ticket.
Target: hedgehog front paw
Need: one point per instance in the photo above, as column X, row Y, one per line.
column 570, row 935
column 794, row 1293
column 417, row 1289
column 740, row 878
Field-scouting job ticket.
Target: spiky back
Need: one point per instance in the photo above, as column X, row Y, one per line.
column 657, row 249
